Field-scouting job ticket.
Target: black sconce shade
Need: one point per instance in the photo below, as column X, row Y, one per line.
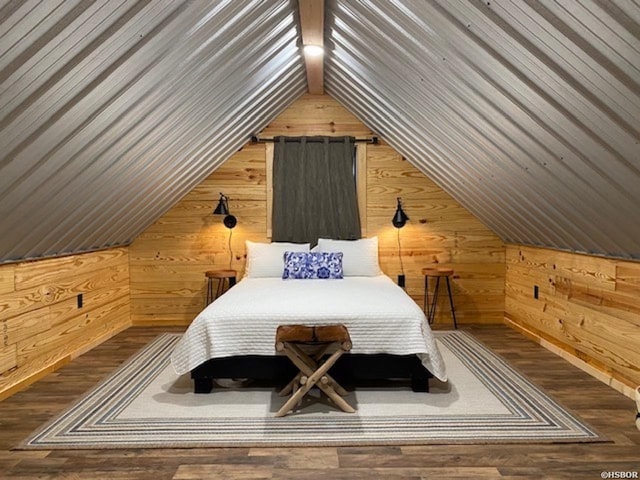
column 223, row 209
column 223, row 206
column 399, row 218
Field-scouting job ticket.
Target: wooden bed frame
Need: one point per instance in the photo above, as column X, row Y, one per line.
column 349, row 369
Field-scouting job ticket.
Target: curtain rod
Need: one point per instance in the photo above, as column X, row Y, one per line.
column 373, row 140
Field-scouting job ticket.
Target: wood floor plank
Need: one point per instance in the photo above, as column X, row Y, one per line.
column 223, row 472
column 611, row 413
column 395, row 473
column 295, row 458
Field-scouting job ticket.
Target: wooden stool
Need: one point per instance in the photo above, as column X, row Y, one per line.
column 290, row 338
column 430, row 309
column 222, row 276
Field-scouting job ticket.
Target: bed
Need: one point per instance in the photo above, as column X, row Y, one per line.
column 234, row 336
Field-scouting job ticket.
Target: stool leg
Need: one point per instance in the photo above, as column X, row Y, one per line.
column 209, row 291
column 220, row 288
column 453, row 310
column 426, row 294
column 434, row 302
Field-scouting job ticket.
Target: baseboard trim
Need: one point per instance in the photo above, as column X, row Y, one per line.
column 604, row 377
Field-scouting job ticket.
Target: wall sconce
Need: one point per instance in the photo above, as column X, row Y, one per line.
column 229, row 220
column 399, row 220
column 223, row 209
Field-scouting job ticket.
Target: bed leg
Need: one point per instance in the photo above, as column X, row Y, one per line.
column 419, row 383
column 202, row 385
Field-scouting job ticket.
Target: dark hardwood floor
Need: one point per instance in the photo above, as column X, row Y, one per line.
column 605, row 409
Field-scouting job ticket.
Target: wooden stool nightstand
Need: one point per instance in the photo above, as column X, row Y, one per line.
column 223, row 276
column 430, row 308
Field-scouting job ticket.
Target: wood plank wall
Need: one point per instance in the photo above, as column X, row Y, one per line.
column 587, row 306
column 168, row 260
column 43, row 327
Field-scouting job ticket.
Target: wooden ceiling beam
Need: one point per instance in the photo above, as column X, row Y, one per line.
column 312, row 31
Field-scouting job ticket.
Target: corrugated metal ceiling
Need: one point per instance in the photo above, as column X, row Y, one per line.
column 527, row 112
column 112, row 110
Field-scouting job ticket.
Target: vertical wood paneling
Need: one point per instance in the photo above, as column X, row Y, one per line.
column 41, row 323
column 169, row 259
column 589, row 306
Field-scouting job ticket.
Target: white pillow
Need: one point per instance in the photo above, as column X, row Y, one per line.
column 360, row 257
column 267, row 259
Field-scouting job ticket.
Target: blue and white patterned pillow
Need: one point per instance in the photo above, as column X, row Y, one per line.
column 312, row 265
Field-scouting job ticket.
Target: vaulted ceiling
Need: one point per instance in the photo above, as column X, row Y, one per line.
column 527, row 111
column 112, row 110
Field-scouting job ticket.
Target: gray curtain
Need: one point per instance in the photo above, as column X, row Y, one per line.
column 314, row 189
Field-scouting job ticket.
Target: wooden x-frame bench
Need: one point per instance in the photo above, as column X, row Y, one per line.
column 313, row 370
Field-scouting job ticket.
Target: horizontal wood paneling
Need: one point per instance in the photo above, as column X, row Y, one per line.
column 8, row 358
column 316, row 115
column 587, row 305
column 7, row 279
column 42, row 326
column 628, row 279
column 169, row 259
column 440, row 232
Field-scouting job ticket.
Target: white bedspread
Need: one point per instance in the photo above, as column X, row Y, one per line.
column 380, row 316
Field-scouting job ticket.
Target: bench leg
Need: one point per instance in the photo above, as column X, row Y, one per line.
column 305, row 364
column 337, row 399
column 312, row 365
column 291, row 386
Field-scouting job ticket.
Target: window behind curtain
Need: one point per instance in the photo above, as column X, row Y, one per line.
column 314, row 189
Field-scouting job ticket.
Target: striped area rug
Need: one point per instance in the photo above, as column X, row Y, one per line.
column 144, row 404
